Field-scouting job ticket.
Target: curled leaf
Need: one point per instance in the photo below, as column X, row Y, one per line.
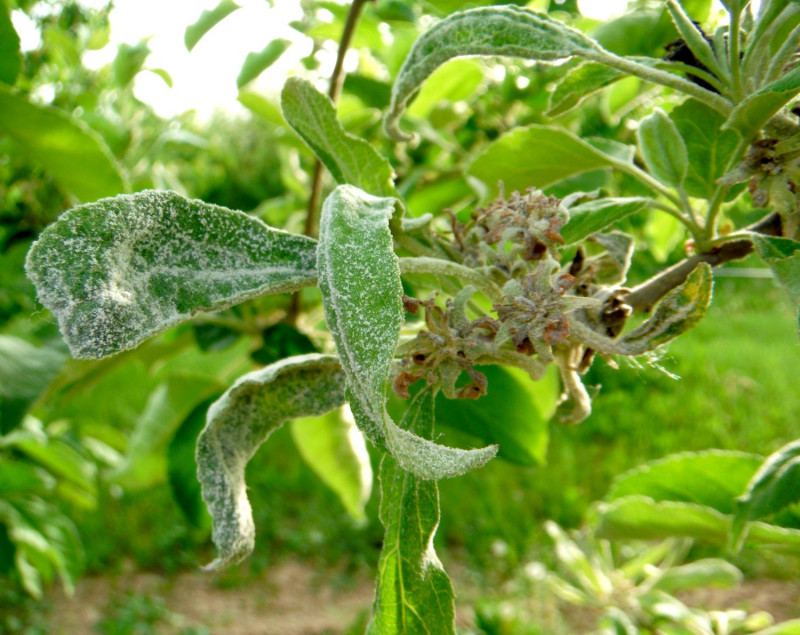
column 359, row 278
column 239, row 422
column 119, row 270
column 508, row 30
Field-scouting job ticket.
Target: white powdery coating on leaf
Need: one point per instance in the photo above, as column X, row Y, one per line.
column 359, row 278
column 431, row 461
column 239, row 422
column 361, row 294
column 122, row 269
column 487, row 31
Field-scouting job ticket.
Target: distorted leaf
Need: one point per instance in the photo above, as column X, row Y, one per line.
column 74, row 155
column 507, row 30
column 119, row 270
column 349, row 159
column 414, row 594
column 677, row 312
column 239, row 422
column 361, row 294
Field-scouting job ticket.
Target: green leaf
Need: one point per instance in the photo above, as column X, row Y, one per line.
column 169, row 404
column 239, row 422
column 792, row 627
column 74, row 155
column 783, row 257
column 508, row 31
column 774, row 486
column 507, row 415
column 348, row 158
column 709, row 147
column 257, row 63
column 457, row 79
column 129, row 61
column 10, row 58
column 663, row 148
column 182, row 465
column 119, row 270
column 591, row 217
column 751, row 114
column 262, row 106
column 536, row 156
column 414, row 594
column 640, row 517
column 699, row 574
column 713, row 478
column 361, row 290
column 580, row 83
column 334, row 449
column 208, row 20
column 25, row 372
column 694, row 38
column 76, row 474
column 677, row 312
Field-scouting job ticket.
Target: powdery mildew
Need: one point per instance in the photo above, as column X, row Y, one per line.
column 238, row 423
column 679, row 311
column 119, row 270
column 361, row 294
column 511, row 31
column 348, row 158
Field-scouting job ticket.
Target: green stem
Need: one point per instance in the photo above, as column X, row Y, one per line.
column 717, row 102
column 715, row 206
column 438, row 267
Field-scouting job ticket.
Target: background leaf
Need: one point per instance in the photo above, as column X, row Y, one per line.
column 535, row 156
column 334, row 449
column 587, row 218
column 348, row 158
column 182, row 466
column 208, row 20
column 239, row 422
column 257, row 63
column 713, row 478
column 709, row 147
column 76, row 156
column 25, row 372
column 414, row 594
column 750, row 115
column 775, row 486
column 10, row 58
column 111, row 278
column 783, row 257
column 581, row 82
column 663, row 148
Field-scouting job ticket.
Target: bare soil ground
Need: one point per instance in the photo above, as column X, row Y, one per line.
column 295, row 599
